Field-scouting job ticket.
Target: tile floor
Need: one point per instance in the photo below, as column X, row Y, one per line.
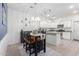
column 67, row 48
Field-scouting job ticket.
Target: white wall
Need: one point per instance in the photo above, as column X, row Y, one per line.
column 14, row 27
column 3, row 45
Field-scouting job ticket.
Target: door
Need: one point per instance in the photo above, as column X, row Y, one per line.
column 76, row 30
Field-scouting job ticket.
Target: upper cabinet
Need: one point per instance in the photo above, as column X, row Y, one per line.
column 45, row 24
column 67, row 24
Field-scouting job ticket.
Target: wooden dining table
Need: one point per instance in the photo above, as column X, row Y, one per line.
column 36, row 38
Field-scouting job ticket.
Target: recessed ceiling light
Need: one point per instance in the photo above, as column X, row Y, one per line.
column 71, row 6
column 75, row 11
column 47, row 15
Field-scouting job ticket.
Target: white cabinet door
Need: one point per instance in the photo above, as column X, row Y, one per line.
column 51, row 39
column 66, row 35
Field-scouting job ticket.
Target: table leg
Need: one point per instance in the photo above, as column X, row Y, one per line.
column 44, row 45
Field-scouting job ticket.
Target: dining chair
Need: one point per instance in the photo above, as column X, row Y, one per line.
column 29, row 43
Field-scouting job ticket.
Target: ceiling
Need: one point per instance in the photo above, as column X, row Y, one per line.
column 54, row 10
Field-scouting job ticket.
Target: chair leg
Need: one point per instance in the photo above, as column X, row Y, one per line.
column 30, row 50
column 26, row 47
column 35, row 49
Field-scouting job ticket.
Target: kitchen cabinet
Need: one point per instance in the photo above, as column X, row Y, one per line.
column 53, row 38
column 67, row 35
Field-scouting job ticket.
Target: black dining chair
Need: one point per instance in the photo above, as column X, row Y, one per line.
column 29, row 43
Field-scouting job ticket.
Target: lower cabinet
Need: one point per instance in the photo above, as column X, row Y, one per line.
column 53, row 38
column 67, row 35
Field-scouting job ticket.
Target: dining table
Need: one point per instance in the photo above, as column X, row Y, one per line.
column 39, row 37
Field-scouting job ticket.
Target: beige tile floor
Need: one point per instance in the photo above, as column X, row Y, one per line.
column 67, row 48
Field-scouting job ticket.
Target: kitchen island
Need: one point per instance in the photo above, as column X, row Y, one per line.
column 53, row 37
column 56, row 37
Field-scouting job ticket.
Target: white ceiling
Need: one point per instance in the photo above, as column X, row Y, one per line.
column 57, row 10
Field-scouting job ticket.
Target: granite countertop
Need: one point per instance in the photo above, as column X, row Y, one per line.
column 57, row 31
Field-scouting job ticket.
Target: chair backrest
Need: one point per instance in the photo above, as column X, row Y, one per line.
column 27, row 35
